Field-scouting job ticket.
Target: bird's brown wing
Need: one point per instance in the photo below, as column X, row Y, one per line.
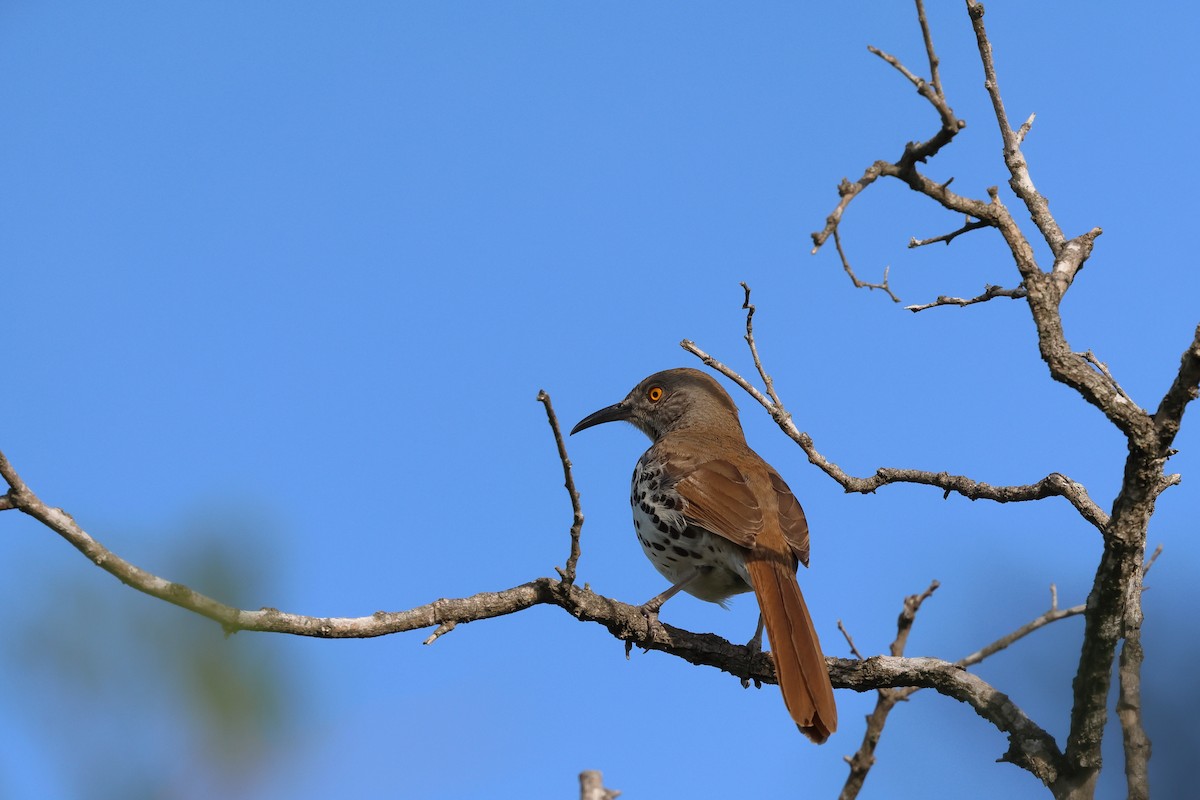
column 717, row 497
column 791, row 518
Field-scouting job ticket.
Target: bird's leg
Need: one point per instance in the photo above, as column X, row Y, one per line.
column 753, row 648
column 650, row 608
column 755, row 643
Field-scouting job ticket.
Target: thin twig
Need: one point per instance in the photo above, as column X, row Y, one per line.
column 970, row 225
column 934, row 78
column 847, row 191
column 989, row 292
column 849, row 640
column 1100, row 366
column 1150, row 562
column 1014, row 159
column 1023, row 131
column 442, row 630
column 17, row 490
column 916, row 80
column 767, row 382
column 1070, row 260
column 1052, row 615
column 912, row 604
column 859, row 284
column 950, row 123
column 568, row 574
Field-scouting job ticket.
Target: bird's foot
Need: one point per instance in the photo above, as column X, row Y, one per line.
column 753, row 649
column 654, row 629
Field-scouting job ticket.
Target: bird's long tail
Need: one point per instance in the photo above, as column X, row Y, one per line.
column 799, row 663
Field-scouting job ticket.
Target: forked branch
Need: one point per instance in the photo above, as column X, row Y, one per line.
column 864, row 758
column 1053, row 485
column 905, row 168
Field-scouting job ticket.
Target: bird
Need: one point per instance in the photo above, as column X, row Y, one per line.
column 717, row 520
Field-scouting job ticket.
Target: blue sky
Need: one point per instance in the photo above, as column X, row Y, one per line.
column 282, row 281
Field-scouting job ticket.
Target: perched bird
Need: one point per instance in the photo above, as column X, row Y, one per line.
column 717, row 520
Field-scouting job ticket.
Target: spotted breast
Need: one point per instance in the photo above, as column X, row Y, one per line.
column 677, row 547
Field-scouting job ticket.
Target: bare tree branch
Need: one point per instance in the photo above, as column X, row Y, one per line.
column 1114, row 605
column 762, row 373
column 1026, row 126
column 1014, row 159
column 951, row 125
column 1030, row 747
column 1150, row 563
column 1054, row 614
column 591, row 787
column 847, row 191
column 1113, row 611
column 1102, row 368
column 968, row 226
column 934, row 78
column 860, row 284
column 1129, row 712
column 1184, row 389
column 1065, row 365
column 1108, row 604
column 567, row 574
column 905, row 167
column 624, row 621
column 441, row 631
column 1053, row 485
column 912, row 604
column 1129, row 699
column 850, row 641
column 439, row 613
column 1113, row 614
column 989, row 292
column 1070, row 259
column 864, row 758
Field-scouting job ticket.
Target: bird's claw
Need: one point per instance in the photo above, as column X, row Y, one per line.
column 753, row 650
column 654, row 628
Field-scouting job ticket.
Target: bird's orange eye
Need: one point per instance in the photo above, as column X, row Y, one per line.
column 655, row 394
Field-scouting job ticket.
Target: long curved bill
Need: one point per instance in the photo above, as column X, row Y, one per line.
column 614, row 413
